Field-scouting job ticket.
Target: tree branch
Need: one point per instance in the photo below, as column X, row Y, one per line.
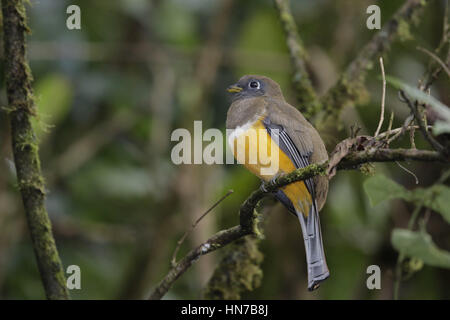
column 350, row 87
column 25, row 148
column 433, row 71
column 422, row 126
column 247, row 211
column 307, row 99
column 217, row 241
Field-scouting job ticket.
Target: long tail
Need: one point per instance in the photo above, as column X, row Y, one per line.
column 315, row 256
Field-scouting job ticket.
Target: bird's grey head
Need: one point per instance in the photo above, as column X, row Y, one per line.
column 250, row 86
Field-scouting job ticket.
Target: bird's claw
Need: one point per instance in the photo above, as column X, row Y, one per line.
column 269, row 183
column 262, row 187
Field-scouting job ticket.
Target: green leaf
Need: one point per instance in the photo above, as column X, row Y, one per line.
column 420, row 245
column 380, row 188
column 441, row 127
column 437, row 198
column 441, row 108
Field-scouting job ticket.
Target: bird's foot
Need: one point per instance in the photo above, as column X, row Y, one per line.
column 270, row 183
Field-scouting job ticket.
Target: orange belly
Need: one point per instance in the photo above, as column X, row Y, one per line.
column 254, row 148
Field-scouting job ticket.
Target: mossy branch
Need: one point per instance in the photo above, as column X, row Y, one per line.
column 247, row 212
column 219, row 240
column 25, row 149
column 308, row 102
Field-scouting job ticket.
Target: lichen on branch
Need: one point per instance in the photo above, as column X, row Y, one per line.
column 238, row 271
column 308, row 102
column 20, row 109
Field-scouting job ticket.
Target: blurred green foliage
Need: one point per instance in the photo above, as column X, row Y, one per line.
column 54, row 93
column 109, row 96
column 420, row 245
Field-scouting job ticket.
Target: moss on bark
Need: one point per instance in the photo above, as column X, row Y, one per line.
column 21, row 108
column 238, row 271
column 308, row 102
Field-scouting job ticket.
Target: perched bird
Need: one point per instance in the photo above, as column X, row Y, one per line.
column 258, row 106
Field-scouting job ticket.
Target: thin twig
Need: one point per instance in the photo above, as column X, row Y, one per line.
column 432, row 74
column 423, row 128
column 401, row 256
column 412, row 134
column 391, row 121
column 426, row 217
column 395, row 132
column 217, row 241
column 403, row 129
column 383, row 97
column 180, row 242
column 408, row 171
column 437, row 59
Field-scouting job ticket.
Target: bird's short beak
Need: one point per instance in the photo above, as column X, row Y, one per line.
column 234, row 88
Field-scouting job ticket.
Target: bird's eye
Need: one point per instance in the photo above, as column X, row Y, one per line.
column 254, row 84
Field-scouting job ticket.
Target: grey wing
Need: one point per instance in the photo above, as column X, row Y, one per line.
column 302, row 134
column 287, row 145
column 310, row 224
